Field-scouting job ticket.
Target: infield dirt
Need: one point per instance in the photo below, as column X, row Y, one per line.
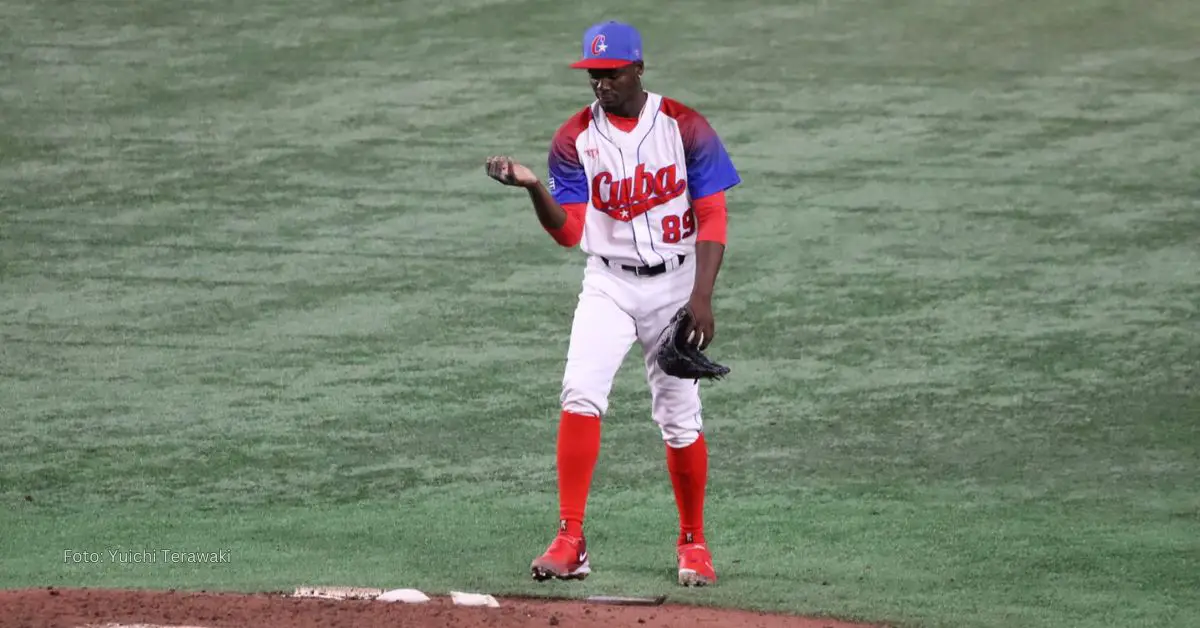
column 77, row 608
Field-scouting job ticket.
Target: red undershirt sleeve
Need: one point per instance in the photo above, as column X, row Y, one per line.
column 712, row 216
column 571, row 232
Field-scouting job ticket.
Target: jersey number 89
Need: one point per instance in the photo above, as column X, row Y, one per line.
column 671, row 227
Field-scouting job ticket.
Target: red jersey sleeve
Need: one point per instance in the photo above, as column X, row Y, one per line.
column 571, row 232
column 713, row 218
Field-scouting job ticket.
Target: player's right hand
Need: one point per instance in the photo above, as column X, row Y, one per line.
column 507, row 171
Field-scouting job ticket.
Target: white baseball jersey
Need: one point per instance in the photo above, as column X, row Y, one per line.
column 638, row 185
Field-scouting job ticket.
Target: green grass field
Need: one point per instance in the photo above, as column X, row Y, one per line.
column 257, row 294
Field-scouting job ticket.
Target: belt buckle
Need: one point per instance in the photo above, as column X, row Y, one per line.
column 648, row 270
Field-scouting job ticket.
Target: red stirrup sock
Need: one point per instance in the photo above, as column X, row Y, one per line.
column 688, row 467
column 578, row 449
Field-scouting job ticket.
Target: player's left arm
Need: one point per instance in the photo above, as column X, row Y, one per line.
column 710, row 253
column 710, row 172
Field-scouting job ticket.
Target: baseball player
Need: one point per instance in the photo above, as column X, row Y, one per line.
column 638, row 181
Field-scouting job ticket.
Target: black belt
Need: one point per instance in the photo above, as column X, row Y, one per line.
column 645, row 271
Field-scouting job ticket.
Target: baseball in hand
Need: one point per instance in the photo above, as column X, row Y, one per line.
column 507, row 171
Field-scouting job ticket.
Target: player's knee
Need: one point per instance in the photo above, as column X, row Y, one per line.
column 678, row 436
column 582, row 400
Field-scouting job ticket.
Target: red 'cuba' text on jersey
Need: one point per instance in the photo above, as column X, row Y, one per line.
column 639, row 181
column 631, row 197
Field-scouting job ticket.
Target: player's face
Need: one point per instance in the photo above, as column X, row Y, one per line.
column 614, row 88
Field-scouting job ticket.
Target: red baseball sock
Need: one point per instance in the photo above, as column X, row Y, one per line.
column 688, row 467
column 578, row 449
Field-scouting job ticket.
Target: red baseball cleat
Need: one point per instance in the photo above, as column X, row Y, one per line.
column 565, row 559
column 695, row 565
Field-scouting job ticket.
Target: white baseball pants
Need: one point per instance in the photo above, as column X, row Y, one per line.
column 616, row 309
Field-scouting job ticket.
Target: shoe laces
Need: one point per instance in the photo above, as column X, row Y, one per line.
column 694, row 553
column 567, row 541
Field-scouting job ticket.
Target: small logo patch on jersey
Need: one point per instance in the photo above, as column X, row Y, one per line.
column 631, row 197
column 550, row 183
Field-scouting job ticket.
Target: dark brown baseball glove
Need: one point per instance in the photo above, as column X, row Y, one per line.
column 678, row 357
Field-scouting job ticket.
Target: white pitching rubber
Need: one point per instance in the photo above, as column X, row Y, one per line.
column 408, row 596
column 473, row 599
column 338, row 593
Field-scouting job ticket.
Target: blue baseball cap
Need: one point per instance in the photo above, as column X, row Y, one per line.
column 609, row 45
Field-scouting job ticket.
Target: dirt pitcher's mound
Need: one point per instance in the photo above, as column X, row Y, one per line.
column 97, row 608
